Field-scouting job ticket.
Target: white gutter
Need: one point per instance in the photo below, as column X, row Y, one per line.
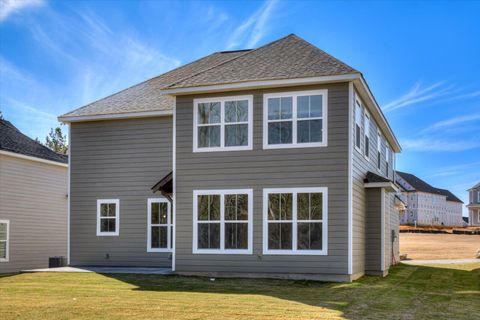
column 117, row 116
column 260, row 84
column 25, row 157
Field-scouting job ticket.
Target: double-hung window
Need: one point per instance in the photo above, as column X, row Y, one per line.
column 4, row 240
column 295, row 221
column 222, row 221
column 387, row 158
column 295, row 119
column 379, row 151
column 358, row 125
column 478, row 196
column 223, row 124
column 108, row 217
column 367, row 135
column 160, row 229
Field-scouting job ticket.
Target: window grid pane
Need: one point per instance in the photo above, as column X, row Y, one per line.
column 223, row 124
column 231, row 230
column 305, row 115
column 305, row 231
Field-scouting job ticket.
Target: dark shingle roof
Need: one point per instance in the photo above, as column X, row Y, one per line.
column 287, row 58
column 12, row 140
column 477, row 186
column 146, row 96
column 372, row 177
column 422, row 186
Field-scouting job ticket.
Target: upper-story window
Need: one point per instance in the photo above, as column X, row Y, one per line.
column 358, row 125
column 387, row 158
column 295, row 119
column 222, row 124
column 379, row 151
column 478, row 196
column 367, row 135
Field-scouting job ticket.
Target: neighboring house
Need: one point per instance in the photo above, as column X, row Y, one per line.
column 474, row 205
column 273, row 162
column 33, row 202
column 427, row 205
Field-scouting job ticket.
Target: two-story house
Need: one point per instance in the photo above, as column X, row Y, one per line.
column 272, row 162
column 427, row 205
column 474, row 205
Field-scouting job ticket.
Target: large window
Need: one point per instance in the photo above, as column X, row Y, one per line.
column 4, row 240
column 222, row 124
column 295, row 221
column 222, row 221
column 367, row 135
column 160, row 229
column 358, row 125
column 295, row 119
column 108, row 217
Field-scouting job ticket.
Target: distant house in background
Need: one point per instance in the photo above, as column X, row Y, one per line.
column 474, row 205
column 33, row 202
column 427, row 205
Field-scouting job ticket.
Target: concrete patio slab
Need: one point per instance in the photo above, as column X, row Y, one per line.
column 131, row 270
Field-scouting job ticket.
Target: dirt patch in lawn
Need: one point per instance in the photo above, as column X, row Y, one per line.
column 439, row 246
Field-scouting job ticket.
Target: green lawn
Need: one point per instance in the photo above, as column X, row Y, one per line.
column 409, row 292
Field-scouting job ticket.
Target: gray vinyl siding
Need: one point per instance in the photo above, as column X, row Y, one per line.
column 33, row 197
column 117, row 159
column 392, row 223
column 360, row 166
column 258, row 169
column 373, row 227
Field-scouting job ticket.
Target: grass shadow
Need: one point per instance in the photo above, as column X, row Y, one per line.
column 409, row 292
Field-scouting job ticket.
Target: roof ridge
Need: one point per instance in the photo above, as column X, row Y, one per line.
column 324, row 52
column 227, row 61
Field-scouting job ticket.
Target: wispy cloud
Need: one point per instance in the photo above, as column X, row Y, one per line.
column 451, row 122
column 252, row 30
column 439, row 145
column 10, row 7
column 419, row 93
column 455, row 169
column 437, row 92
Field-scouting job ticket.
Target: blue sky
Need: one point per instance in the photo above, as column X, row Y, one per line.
column 421, row 60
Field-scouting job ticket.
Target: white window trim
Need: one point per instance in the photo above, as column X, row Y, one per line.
column 387, row 160
column 7, row 251
column 295, row 251
column 366, row 134
column 222, row 193
column 117, row 217
column 222, row 123
column 294, row 119
column 357, row 100
column 168, row 225
column 478, row 197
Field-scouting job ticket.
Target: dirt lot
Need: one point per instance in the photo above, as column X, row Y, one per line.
column 439, row 246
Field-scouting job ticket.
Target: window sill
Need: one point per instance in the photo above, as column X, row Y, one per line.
column 107, row 234
column 159, row 250
column 220, row 149
column 296, row 252
column 293, row 146
column 218, row 251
